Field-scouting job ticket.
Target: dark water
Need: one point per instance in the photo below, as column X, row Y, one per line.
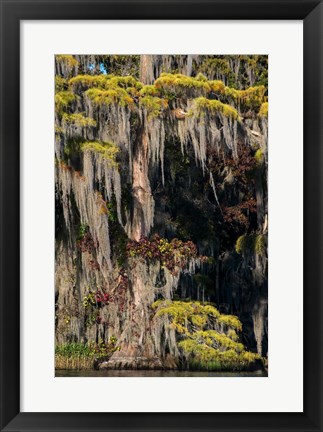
column 152, row 373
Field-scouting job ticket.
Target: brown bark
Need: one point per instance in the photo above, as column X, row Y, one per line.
column 146, row 69
column 143, row 199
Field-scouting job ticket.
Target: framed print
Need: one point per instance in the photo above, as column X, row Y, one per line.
column 161, row 215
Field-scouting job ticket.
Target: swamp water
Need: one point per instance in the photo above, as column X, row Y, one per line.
column 154, row 373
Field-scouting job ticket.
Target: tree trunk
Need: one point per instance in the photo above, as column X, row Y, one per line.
column 138, row 350
column 147, row 69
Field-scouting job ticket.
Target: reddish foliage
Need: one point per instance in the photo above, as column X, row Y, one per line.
column 102, row 298
column 171, row 254
column 238, row 213
column 86, row 243
column 245, row 164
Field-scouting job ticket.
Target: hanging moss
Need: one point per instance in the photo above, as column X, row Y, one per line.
column 107, row 150
column 168, row 171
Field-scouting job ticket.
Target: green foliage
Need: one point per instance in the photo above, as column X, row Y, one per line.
column 122, row 64
column 93, row 302
column 88, row 81
column 61, row 84
column 149, row 90
column 154, row 106
column 207, row 339
column 124, row 82
column 78, row 119
column 63, row 100
column 108, row 151
column 232, row 334
column 105, row 349
column 112, row 212
column 127, row 91
column 219, row 66
column 107, row 89
column 230, row 321
column 216, row 339
column 75, row 350
column 89, row 300
column 201, row 105
column 242, row 244
column 68, row 60
column 259, row 156
column 263, row 112
column 201, row 77
column 204, row 357
column 217, row 86
column 104, row 82
column 187, row 314
column 178, row 81
column 72, row 145
column 82, row 356
column 260, row 244
column 180, row 84
column 108, row 97
column 252, row 97
column 236, row 70
column 251, row 244
column 82, row 230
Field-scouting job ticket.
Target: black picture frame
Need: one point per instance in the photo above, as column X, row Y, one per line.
column 12, row 12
